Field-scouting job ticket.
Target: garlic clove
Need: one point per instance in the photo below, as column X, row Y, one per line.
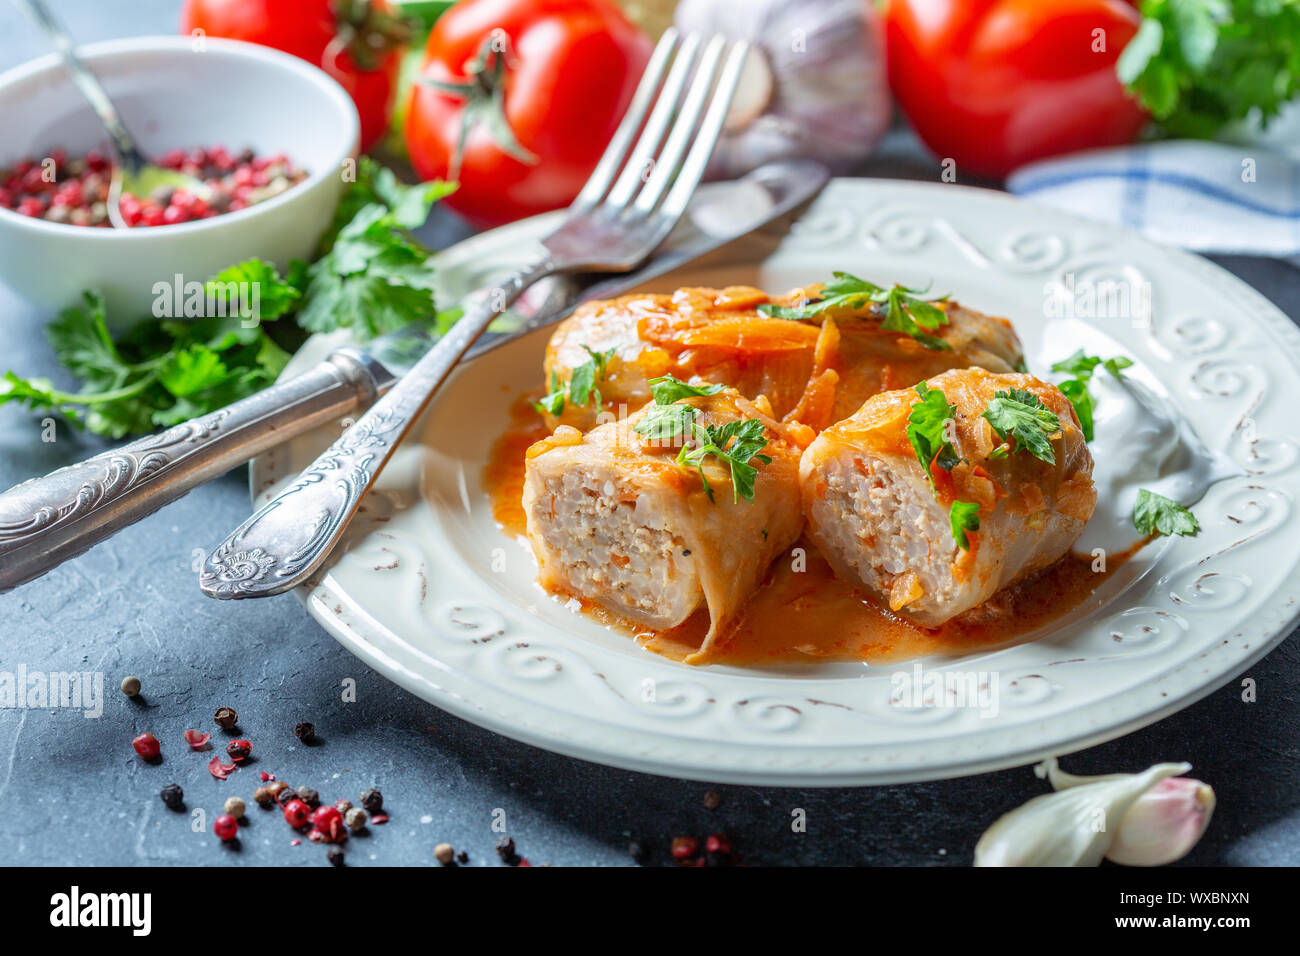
column 1072, row 827
column 1163, row 824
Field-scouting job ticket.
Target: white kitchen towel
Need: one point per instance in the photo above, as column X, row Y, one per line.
column 1209, row 197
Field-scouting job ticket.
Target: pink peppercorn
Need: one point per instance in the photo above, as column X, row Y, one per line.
column 225, row 827
column 296, row 813
column 330, row 823
column 147, row 746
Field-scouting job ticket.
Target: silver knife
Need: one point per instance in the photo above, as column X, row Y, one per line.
column 46, row 521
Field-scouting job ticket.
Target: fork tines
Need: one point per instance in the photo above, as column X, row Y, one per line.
column 657, row 155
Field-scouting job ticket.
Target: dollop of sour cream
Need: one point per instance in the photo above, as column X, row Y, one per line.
column 1141, row 439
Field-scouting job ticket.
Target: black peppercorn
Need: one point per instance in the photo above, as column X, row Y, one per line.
column 462, row 857
column 335, row 855
column 639, row 851
column 306, row 732
column 239, row 750
column 226, row 718
column 285, row 795
column 506, row 850
column 309, row 796
column 372, row 800
column 173, row 796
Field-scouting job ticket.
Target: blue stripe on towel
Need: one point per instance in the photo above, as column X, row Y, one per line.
column 1146, row 176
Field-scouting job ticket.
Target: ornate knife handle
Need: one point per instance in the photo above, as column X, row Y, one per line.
column 288, row 539
column 46, row 521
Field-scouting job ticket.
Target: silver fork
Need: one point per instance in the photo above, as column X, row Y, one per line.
column 636, row 194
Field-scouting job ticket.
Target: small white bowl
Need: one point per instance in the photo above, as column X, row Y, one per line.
column 173, row 92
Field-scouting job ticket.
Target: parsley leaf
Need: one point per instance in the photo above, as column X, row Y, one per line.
column 1082, row 366
column 907, row 310
column 1201, row 65
column 581, row 386
column 162, row 371
column 747, row 439
column 552, row 402
column 926, row 427
column 1156, row 514
column 667, row 389
column 925, row 430
column 1022, row 415
column 963, row 516
column 667, row 425
column 373, row 277
column 736, row 443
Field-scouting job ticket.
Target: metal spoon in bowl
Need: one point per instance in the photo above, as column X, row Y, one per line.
column 132, row 173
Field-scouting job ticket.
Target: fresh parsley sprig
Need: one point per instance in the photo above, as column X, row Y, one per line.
column 582, row 386
column 667, row 389
column 736, row 443
column 1076, row 389
column 907, row 310
column 1156, row 514
column 1021, row 415
column 163, row 372
column 927, row 430
column 1201, row 65
column 374, row 276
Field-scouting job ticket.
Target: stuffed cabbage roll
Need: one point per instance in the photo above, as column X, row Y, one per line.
column 815, row 370
column 641, row 517
column 1008, row 490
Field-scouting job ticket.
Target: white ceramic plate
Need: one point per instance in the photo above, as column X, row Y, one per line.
column 433, row 595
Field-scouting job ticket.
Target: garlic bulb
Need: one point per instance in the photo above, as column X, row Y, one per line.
column 813, row 86
column 1075, row 826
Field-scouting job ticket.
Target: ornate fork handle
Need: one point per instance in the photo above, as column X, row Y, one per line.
column 283, row 543
column 48, row 520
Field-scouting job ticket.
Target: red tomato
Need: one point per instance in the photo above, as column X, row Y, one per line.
column 358, row 44
column 566, row 70
column 994, row 84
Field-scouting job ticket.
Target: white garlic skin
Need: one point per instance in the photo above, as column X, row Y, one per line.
column 818, row 89
column 1163, row 824
column 1072, row 827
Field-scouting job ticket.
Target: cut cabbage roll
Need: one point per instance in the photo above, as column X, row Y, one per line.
column 616, row 516
column 815, row 371
column 1009, row 490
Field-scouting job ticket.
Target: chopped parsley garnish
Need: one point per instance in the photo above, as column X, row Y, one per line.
column 1082, row 366
column 582, row 385
column 1023, row 416
column 736, row 443
column 746, row 438
column 963, row 516
column 667, row 389
column 1156, row 514
column 667, row 424
column 907, row 310
column 925, row 430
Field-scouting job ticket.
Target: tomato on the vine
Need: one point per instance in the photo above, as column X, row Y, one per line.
column 994, row 84
column 517, row 100
column 357, row 42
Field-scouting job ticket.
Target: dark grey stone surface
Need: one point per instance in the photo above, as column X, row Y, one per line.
column 73, row 792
